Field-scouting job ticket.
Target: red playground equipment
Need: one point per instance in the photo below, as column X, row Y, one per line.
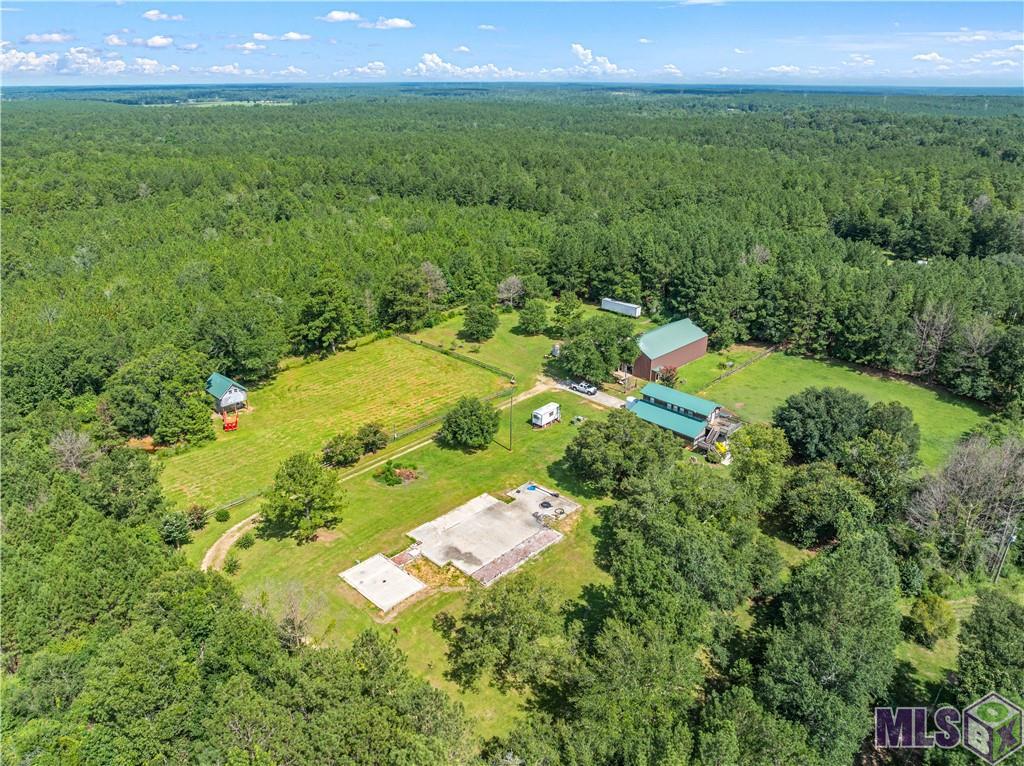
column 230, row 420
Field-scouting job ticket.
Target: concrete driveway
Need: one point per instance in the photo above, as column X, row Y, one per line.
column 600, row 398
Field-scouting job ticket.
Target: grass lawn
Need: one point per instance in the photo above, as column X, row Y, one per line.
column 523, row 355
column 389, row 380
column 922, row 671
column 377, row 517
column 754, row 393
column 698, row 374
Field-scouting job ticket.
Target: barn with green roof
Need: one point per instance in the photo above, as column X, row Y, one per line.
column 671, row 345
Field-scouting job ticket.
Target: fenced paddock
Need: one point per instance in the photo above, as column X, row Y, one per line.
column 391, row 381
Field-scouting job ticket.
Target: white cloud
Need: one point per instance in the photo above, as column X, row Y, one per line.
column 784, row 69
column 932, row 57
column 296, row 36
column 225, row 69
column 859, row 60
column 81, row 60
column 999, row 53
column 591, row 64
column 967, row 35
column 291, row 71
column 247, row 47
column 461, row 49
column 159, row 41
column 12, row 60
column 644, row 41
column 1006, row 63
column 672, row 69
column 722, row 71
column 487, row 27
column 432, row 65
column 155, row 15
column 338, row 16
column 152, row 66
column 48, row 37
column 740, row 51
column 115, row 40
column 189, row 47
column 263, row 37
column 383, row 23
column 370, row 69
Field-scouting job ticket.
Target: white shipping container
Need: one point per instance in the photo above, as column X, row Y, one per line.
column 620, row 307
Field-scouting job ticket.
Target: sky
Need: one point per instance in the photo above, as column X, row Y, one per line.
column 966, row 44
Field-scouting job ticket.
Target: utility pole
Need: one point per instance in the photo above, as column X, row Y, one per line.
column 511, row 400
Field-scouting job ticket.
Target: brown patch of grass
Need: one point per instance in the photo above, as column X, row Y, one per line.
column 327, row 535
column 434, row 576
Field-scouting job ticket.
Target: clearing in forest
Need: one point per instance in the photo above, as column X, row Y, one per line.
column 390, row 381
column 754, row 392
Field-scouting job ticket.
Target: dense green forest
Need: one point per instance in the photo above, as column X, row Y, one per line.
column 148, row 242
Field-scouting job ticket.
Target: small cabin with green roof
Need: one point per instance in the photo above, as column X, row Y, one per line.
column 228, row 395
column 671, row 345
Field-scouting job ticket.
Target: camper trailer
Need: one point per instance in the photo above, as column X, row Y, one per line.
column 546, row 415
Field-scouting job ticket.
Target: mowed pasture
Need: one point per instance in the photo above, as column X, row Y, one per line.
column 376, row 519
column 390, row 381
column 754, row 392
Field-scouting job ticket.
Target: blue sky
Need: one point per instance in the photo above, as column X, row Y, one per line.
column 700, row 41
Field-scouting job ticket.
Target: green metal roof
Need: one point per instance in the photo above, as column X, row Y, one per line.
column 673, row 421
column 679, row 399
column 667, row 338
column 217, row 385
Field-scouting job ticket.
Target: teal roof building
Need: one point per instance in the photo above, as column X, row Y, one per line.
column 682, row 413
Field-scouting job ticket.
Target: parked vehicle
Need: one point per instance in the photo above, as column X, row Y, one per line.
column 583, row 387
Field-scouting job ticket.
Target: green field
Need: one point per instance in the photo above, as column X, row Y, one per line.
column 390, row 380
column 522, row 355
column 699, row 374
column 377, row 517
column 754, row 392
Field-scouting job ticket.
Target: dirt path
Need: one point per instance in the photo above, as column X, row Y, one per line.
column 214, row 558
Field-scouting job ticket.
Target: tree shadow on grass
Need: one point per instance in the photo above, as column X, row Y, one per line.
column 560, row 474
column 272, row 530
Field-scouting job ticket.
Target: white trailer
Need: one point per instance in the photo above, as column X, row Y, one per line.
column 620, row 307
column 546, row 415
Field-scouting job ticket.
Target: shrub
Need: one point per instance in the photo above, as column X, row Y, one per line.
column 819, row 421
column 533, row 319
column 372, row 437
column 392, row 474
column 246, row 541
column 174, row 529
column 471, row 424
column 231, row 563
column 222, row 514
column 196, row 516
column 931, row 618
column 480, row 323
column 342, row 450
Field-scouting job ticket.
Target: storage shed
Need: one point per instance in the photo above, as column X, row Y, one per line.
column 621, row 307
column 546, row 415
column 227, row 394
column 671, row 345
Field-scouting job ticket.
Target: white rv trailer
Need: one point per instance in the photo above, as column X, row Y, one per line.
column 546, row 415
